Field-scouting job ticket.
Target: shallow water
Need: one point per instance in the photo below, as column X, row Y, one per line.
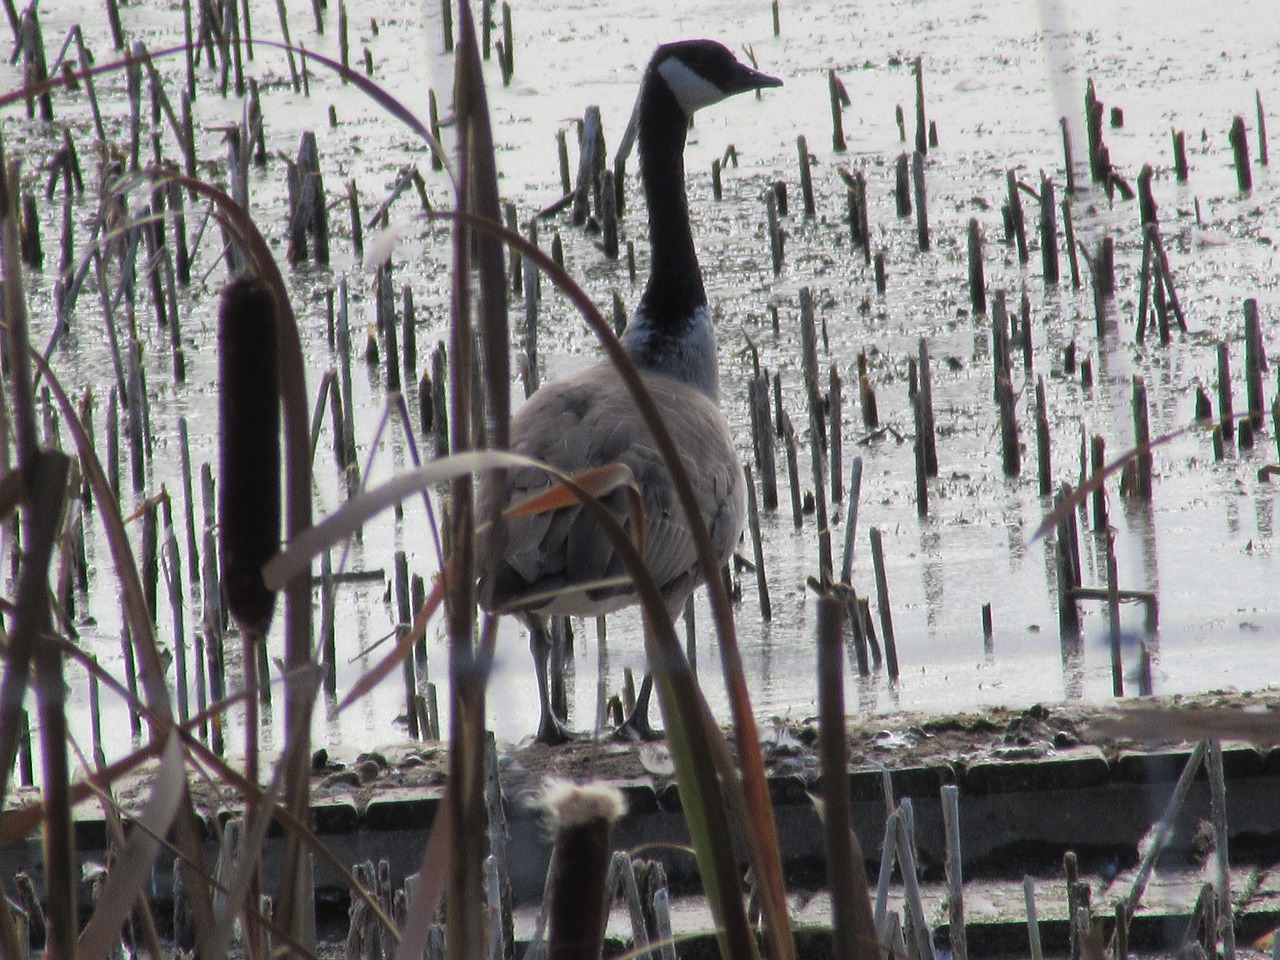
column 997, row 78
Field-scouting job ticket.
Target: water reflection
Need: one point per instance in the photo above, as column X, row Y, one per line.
column 931, row 570
column 1264, row 505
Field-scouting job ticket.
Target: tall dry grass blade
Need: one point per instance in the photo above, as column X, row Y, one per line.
column 47, row 476
column 159, row 710
column 853, row 927
column 126, row 569
column 404, row 647
column 431, row 871
column 467, row 890
column 691, row 733
column 260, row 806
column 127, row 880
column 16, row 341
column 342, row 523
column 12, row 490
column 142, row 917
column 30, row 614
column 23, row 821
column 479, row 174
column 292, row 826
column 16, row 824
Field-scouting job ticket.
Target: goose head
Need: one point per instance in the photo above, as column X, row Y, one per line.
column 702, row 72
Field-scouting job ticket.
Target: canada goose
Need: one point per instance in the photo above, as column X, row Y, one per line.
column 560, row 563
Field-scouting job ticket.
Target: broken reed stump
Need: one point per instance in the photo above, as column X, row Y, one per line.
column 882, row 601
column 1226, row 409
column 928, row 426
column 859, row 228
column 825, row 558
column 609, row 214
column 1043, row 446
column 793, row 471
column 1144, row 283
column 922, row 139
column 867, row 395
column 835, row 414
column 1098, row 463
column 1264, row 158
column 918, row 454
column 763, row 435
column 806, row 178
column 809, row 364
column 902, row 184
column 918, row 188
column 1016, row 216
column 506, row 47
column 1180, row 169
column 1068, row 158
column 757, row 546
column 1048, row 231
column 1113, row 615
column 999, row 341
column 591, row 161
column 1255, row 361
column 309, row 218
column 1093, row 131
column 1069, row 234
column 774, row 228
column 1239, row 139
column 977, row 282
column 954, row 871
column 1142, row 440
column 839, row 100
column 1067, row 557
column 851, row 520
column 1147, row 210
column 1010, row 451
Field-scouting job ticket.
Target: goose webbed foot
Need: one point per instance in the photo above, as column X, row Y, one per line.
column 636, row 727
column 553, row 731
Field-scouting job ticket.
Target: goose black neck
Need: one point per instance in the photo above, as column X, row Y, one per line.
column 675, row 288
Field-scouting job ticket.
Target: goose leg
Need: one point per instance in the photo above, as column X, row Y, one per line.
column 636, row 726
column 551, row 729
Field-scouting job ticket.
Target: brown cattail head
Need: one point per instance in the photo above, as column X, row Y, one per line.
column 582, row 818
column 249, row 423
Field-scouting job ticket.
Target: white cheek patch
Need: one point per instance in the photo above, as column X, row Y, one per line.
column 692, row 91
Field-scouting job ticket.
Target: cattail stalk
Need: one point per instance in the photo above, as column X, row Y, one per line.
column 582, row 818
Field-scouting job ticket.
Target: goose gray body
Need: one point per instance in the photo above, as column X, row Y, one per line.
column 561, row 563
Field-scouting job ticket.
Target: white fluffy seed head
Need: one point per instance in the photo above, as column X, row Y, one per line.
column 571, row 804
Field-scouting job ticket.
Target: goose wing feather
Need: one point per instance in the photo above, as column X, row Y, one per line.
column 587, row 420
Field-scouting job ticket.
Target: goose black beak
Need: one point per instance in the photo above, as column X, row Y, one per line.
column 745, row 78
